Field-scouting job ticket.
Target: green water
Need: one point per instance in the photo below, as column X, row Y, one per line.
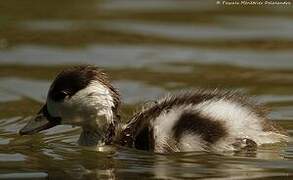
column 149, row 48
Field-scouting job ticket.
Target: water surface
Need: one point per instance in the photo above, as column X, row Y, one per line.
column 149, row 48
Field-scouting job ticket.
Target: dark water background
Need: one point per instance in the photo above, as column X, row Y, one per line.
column 149, row 48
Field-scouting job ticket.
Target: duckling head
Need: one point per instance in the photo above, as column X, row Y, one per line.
column 79, row 96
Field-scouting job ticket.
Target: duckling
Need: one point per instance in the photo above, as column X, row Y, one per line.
column 194, row 121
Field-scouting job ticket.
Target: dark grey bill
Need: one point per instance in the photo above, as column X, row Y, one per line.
column 42, row 121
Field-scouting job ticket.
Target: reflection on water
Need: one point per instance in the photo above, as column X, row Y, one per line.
column 141, row 56
column 48, row 25
column 149, row 48
column 25, row 88
column 251, row 30
column 37, row 175
column 208, row 32
column 160, row 5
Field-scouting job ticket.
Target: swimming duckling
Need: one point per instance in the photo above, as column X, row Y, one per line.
column 198, row 120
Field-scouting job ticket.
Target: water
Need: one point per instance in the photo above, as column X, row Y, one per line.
column 149, row 48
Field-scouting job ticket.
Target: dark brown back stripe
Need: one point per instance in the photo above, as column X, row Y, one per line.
column 140, row 120
column 194, row 123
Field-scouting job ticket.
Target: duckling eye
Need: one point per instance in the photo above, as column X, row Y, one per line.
column 59, row 96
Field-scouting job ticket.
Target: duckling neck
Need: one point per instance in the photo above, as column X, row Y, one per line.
column 94, row 137
column 90, row 137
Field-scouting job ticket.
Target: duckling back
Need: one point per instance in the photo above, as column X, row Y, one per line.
column 203, row 120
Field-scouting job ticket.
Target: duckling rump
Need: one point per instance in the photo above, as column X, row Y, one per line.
column 202, row 120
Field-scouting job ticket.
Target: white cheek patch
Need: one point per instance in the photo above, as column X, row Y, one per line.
column 96, row 97
column 86, row 105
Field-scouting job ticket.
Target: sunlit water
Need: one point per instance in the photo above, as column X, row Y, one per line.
column 149, row 48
